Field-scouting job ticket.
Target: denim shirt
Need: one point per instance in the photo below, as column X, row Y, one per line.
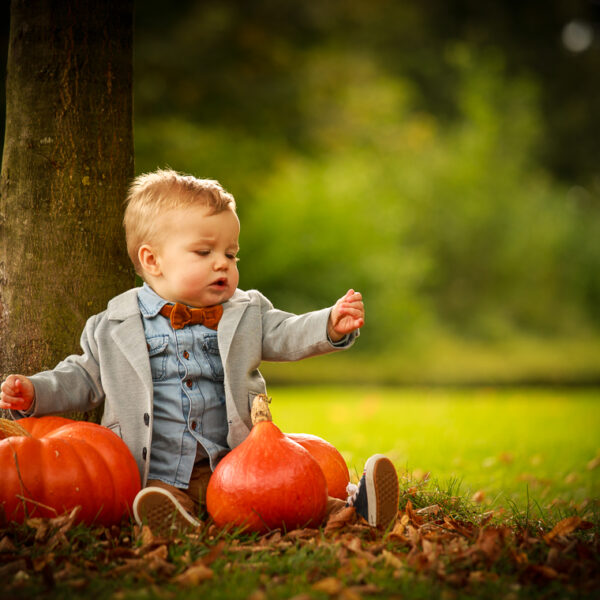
column 190, row 419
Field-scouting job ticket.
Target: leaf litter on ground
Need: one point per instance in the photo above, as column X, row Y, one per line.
column 449, row 541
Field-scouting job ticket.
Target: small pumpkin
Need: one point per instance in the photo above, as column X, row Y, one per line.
column 332, row 463
column 50, row 465
column 268, row 481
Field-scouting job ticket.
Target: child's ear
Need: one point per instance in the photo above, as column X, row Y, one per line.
column 149, row 260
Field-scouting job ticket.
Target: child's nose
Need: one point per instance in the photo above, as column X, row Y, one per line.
column 220, row 263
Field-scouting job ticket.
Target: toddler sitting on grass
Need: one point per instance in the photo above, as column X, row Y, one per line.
column 175, row 362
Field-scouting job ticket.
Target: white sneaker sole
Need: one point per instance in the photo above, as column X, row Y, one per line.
column 383, row 494
column 162, row 512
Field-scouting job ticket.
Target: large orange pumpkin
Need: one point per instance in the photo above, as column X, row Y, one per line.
column 268, row 481
column 332, row 463
column 50, row 465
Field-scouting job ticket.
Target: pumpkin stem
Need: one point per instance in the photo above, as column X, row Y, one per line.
column 10, row 428
column 260, row 409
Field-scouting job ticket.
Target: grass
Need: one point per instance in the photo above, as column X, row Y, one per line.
column 530, row 457
column 507, row 445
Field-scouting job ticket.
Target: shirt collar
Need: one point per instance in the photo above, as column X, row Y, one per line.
column 150, row 302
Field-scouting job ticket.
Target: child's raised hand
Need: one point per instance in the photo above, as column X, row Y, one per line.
column 347, row 315
column 16, row 393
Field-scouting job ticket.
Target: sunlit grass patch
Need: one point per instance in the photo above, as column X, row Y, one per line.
column 500, row 446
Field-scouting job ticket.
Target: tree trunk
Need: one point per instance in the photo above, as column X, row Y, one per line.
column 68, row 159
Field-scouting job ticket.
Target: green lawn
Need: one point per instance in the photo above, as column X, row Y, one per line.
column 515, row 447
column 510, row 444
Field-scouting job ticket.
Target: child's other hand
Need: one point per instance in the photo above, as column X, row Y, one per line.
column 347, row 315
column 17, row 393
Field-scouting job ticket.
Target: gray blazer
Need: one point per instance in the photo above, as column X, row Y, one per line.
column 115, row 368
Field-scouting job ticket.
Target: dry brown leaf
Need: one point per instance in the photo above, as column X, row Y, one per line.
column 161, row 553
column 329, row 585
column 459, row 526
column 412, row 515
column 391, row 560
column 571, row 478
column 397, row 533
column 146, row 536
column 354, row 545
column 564, row 527
column 6, row 545
column 346, row 516
column 543, row 570
column 12, row 567
column 478, row 496
column 301, row 534
column 214, row 553
column 194, row 575
column 349, row 594
column 594, row 463
column 490, row 542
column 427, row 511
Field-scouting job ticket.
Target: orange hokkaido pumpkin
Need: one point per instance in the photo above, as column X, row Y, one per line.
column 268, row 481
column 50, row 465
column 332, row 463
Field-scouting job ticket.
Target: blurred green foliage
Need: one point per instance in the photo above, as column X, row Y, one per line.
column 447, row 221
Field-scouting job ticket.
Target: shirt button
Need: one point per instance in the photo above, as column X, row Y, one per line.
column 186, row 354
column 189, row 383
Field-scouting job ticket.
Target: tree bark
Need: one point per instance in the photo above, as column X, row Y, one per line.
column 68, row 159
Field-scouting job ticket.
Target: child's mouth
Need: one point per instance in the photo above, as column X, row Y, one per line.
column 221, row 283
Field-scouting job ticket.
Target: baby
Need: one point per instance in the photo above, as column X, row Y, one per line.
column 175, row 362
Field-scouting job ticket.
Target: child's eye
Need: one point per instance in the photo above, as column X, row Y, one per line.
column 203, row 252
column 232, row 257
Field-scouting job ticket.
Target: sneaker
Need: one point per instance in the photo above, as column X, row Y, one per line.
column 161, row 511
column 376, row 496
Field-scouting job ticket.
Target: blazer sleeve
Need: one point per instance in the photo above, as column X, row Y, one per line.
column 289, row 337
column 74, row 384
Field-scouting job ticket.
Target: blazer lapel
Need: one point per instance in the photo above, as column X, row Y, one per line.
column 233, row 310
column 128, row 334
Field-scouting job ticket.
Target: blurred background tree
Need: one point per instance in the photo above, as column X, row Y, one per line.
column 441, row 157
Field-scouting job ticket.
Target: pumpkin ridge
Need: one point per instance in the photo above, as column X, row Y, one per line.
column 63, row 464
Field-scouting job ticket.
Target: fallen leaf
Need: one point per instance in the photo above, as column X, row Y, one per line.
column 397, row 533
column 478, row 496
column 490, row 542
column 337, row 520
column 349, row 594
column 391, row 560
column 329, row 585
column 543, row 571
column 434, row 509
column 355, row 546
column 594, row 463
column 6, row 545
column 506, row 457
column 194, row 575
column 412, row 515
column 564, row 527
column 214, row 553
column 146, row 536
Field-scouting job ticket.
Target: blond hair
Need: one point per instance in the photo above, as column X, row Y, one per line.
column 153, row 194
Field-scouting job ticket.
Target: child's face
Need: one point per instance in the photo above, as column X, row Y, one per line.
column 195, row 261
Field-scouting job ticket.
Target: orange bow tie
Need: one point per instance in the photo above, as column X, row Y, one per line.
column 180, row 315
